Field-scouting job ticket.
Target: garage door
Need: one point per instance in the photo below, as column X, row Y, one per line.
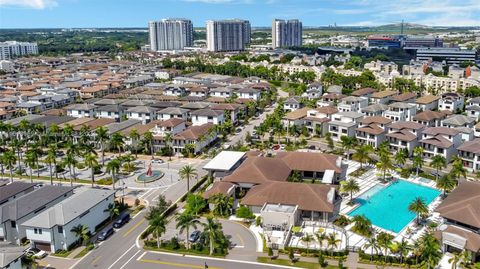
column 43, row 246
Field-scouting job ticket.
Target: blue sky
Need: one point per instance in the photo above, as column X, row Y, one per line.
column 136, row 13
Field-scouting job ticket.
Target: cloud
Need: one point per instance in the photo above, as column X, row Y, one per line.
column 34, row 4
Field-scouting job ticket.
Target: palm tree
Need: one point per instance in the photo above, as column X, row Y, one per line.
column 9, row 160
column 117, row 142
column 371, row 242
column 101, row 135
column 384, row 240
column 113, row 210
column 362, row 225
column 52, row 151
column 418, row 207
column 417, row 159
column 402, row 247
column 457, row 257
column 30, row 161
column 350, row 186
column 186, row 173
column 81, row 232
column 401, row 157
column 113, row 167
column 36, row 152
column 320, row 237
column 347, row 144
column 92, row 163
column 362, row 155
column 134, row 136
column 185, row 221
column 29, row 262
column 457, row 168
column 213, row 230
column 148, row 140
column 384, row 165
column 223, row 204
column 157, row 226
column 438, row 162
column 51, row 160
column 446, row 183
column 68, row 132
column 54, row 130
column 430, row 250
column 70, row 161
column 333, row 241
column 307, row 239
column 168, row 140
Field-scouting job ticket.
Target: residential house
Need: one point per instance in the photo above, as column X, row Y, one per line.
column 204, row 116
column 374, row 110
column 295, row 118
column 344, row 124
column 330, row 99
column 115, row 112
column 173, row 90
column 372, row 130
column 400, row 111
column 199, row 137
column 404, row 135
column 173, row 112
column 222, row 92
column 161, row 129
column 383, row 97
column 234, row 111
column 451, row 101
column 469, row 152
column 249, row 93
column 430, row 118
column 292, row 104
column 440, row 141
column 364, row 92
column 9, row 192
column 473, row 112
column 406, row 97
column 427, row 102
column 317, row 119
column 142, row 113
column 314, row 91
column 51, row 230
column 11, row 256
column 454, row 121
column 352, row 103
column 81, row 110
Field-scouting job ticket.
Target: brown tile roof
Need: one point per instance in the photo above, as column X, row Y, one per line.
column 426, row 99
column 371, row 129
column 438, row 141
column 94, row 124
column 383, row 94
column 406, row 125
column 194, row 132
column 140, row 128
column 404, row 97
column 403, row 135
column 429, row 115
column 317, row 119
column 471, row 146
column 463, row 204
column 76, row 122
column 258, row 170
column 473, row 239
column 376, row 119
column 327, row 110
column 297, row 114
column 215, row 99
column 226, row 106
column 308, row 197
column 334, row 96
column 440, row 130
column 172, row 122
column 218, row 187
column 363, row 91
column 309, row 161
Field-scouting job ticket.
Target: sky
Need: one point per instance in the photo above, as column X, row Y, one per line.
column 137, row 13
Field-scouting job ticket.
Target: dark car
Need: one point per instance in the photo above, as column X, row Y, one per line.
column 106, row 233
column 122, row 219
column 194, row 236
column 312, row 147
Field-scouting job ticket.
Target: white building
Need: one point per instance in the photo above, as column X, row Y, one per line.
column 286, row 33
column 203, row 116
column 51, row 230
column 81, row 110
column 440, row 141
column 6, row 66
column 227, row 35
column 170, row 34
column 12, row 49
column 400, row 111
column 451, row 101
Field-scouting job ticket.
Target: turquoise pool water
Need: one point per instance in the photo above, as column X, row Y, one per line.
column 387, row 207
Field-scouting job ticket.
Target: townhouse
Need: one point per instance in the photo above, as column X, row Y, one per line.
column 173, row 112
column 204, row 116
column 352, row 103
column 469, row 153
column 372, row 130
column 199, row 137
column 344, row 124
column 404, row 135
column 440, row 141
column 430, row 118
column 292, row 104
column 317, row 119
column 427, row 102
column 81, row 110
column 451, row 102
column 400, row 111
column 382, row 97
column 143, row 113
column 374, row 110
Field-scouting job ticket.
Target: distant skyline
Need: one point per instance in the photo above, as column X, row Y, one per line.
column 137, row 13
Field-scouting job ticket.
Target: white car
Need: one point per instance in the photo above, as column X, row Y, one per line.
column 158, row 161
column 37, row 253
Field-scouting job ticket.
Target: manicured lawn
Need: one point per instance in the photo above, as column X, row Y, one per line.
column 299, row 264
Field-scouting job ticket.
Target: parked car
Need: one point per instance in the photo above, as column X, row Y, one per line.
column 238, row 130
column 121, row 220
column 312, row 147
column 276, row 147
column 159, row 161
column 36, row 253
column 194, row 236
column 106, row 233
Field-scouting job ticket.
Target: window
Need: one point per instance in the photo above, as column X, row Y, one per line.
column 35, row 231
column 60, row 229
column 39, row 231
column 13, row 224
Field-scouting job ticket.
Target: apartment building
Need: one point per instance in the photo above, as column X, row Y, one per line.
column 227, row 35
column 286, row 33
column 170, row 34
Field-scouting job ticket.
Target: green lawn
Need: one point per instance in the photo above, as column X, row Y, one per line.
column 299, row 264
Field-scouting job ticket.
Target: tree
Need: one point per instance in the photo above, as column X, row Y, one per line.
column 321, row 260
column 458, row 169
column 321, row 237
column 291, row 256
column 117, row 141
column 384, row 165
column 195, row 204
column 70, row 161
column 223, row 204
column 362, row 155
column 82, row 233
column 134, row 136
column 333, row 241
column 168, row 140
column 185, row 221
column 430, row 250
column 362, row 225
column 51, row 160
column 186, row 173
column 347, row 144
column 457, row 257
column 418, row 207
column 330, row 143
column 113, row 210
column 157, row 226
column 270, row 252
column 113, row 167
column 148, row 141
column 401, row 157
column 384, row 240
column 29, row 262
column 101, row 135
column 92, row 163
column 213, row 230
column 307, row 239
column 9, row 160
column 158, row 209
column 418, row 158
column 371, row 242
column 30, row 161
column 402, row 248
column 446, row 183
column 350, row 186
column 438, row 162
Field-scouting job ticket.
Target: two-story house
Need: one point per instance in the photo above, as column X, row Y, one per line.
column 372, row 130
column 81, row 110
column 400, row 111
column 115, row 112
column 317, row 119
column 430, row 118
column 440, row 141
column 292, row 104
column 404, row 135
column 143, row 113
column 344, row 124
column 382, row 97
column 374, row 110
column 352, row 103
column 451, row 101
column 427, row 102
column 198, row 137
column 173, row 112
column 469, row 152
column 204, row 116
column 249, row 93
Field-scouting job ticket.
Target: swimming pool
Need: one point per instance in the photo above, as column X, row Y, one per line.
column 387, row 207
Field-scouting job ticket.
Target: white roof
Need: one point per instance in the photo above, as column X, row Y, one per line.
column 224, row 161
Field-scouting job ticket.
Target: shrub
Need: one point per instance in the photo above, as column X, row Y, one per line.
column 342, row 221
column 270, row 252
column 137, row 202
column 245, row 212
column 258, row 221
